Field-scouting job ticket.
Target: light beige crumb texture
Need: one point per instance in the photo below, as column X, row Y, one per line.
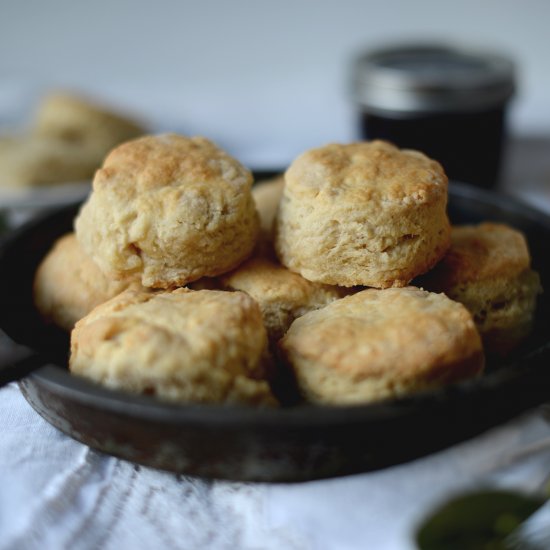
column 68, row 284
column 171, row 208
column 187, row 346
column 378, row 344
column 488, row 269
column 362, row 214
column 281, row 294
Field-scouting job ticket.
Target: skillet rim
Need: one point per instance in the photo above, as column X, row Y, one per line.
column 60, row 382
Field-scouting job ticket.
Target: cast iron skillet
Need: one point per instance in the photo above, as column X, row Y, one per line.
column 295, row 443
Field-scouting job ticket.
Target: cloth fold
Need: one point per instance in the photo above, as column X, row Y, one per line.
column 57, row 493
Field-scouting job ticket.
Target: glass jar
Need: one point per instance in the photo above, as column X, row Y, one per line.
column 450, row 103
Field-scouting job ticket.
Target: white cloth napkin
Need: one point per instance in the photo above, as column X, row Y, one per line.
column 56, row 493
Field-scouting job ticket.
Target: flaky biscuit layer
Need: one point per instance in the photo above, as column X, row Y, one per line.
column 170, row 208
column 281, row 294
column 191, row 346
column 378, row 344
column 68, row 284
column 362, row 214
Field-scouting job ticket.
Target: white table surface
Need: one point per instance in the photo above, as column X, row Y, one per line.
column 57, row 493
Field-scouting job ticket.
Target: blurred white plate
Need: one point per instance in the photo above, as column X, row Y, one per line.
column 44, row 196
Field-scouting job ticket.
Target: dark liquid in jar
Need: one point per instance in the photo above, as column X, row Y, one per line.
column 468, row 145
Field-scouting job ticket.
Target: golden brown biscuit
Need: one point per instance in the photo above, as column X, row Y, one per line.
column 27, row 161
column 170, row 208
column 68, row 284
column 194, row 346
column 281, row 294
column 378, row 344
column 362, row 214
column 488, row 269
column 83, row 121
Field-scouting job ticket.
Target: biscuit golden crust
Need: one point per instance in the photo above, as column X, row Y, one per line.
column 192, row 346
column 281, row 294
column 171, row 208
column 482, row 252
column 488, row 269
column 68, row 284
column 368, row 171
column 378, row 344
column 362, row 214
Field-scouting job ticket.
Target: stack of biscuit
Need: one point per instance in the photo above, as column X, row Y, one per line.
column 67, row 141
column 187, row 283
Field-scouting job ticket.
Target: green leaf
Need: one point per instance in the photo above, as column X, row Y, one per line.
column 477, row 521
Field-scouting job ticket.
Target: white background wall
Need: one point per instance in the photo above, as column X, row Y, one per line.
column 265, row 79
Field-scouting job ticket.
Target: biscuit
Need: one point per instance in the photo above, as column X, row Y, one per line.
column 68, row 284
column 267, row 195
column 171, row 208
column 362, row 214
column 27, row 161
column 192, row 346
column 281, row 294
column 488, row 269
column 378, row 344
column 83, row 121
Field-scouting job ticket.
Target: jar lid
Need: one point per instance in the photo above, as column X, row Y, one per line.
column 428, row 78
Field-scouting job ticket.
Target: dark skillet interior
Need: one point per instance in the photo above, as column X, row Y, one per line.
column 294, row 443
